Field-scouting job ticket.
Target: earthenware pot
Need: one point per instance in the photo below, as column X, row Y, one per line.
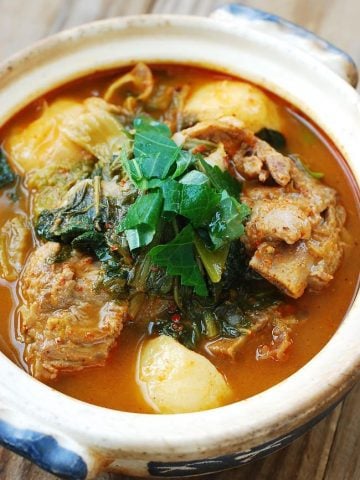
column 77, row 440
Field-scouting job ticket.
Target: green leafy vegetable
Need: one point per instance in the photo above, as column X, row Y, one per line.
column 213, row 260
column 302, row 166
column 317, row 175
column 153, row 149
column 142, row 219
column 184, row 161
column 62, row 256
column 194, row 177
column 196, row 202
column 273, row 138
column 221, row 180
column 85, row 222
column 178, row 258
column 210, row 325
column 227, row 316
column 76, row 217
column 227, row 223
column 148, row 123
column 7, row 176
column 134, row 172
column 203, row 195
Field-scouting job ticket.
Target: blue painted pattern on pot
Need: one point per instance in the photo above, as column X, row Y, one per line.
column 225, row 462
column 44, row 450
column 255, row 14
column 327, row 53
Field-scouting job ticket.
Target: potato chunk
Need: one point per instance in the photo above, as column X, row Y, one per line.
column 232, row 98
column 42, row 143
column 177, row 380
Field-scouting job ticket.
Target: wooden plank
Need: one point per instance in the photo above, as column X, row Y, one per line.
column 330, row 450
column 344, row 459
column 29, row 27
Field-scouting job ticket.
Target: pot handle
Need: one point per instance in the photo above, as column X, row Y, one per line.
column 56, row 455
column 247, row 17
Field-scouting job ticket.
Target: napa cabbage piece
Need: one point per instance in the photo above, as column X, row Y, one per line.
column 139, row 83
column 66, row 134
column 62, row 146
column 175, row 379
column 97, row 130
column 233, row 98
column 50, row 184
column 43, row 143
column 15, row 240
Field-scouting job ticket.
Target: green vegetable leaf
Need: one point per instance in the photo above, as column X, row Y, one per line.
column 302, row 166
column 221, row 180
column 92, row 241
column 145, row 123
column 214, row 261
column 6, row 174
column 317, row 175
column 183, row 162
column 142, row 219
column 133, row 169
column 154, row 151
column 140, row 236
column 273, row 138
column 76, row 217
column 172, row 193
column 194, row 177
column 178, row 258
column 196, row 202
column 227, row 223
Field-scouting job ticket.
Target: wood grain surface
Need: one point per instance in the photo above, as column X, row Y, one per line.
column 330, row 451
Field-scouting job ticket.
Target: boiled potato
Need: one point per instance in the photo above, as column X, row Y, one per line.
column 175, row 379
column 42, row 142
column 233, row 98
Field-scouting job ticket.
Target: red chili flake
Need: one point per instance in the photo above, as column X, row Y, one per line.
column 200, row 149
column 176, row 317
column 114, row 248
column 177, row 327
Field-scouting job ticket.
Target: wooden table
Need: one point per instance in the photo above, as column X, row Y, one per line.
column 331, row 450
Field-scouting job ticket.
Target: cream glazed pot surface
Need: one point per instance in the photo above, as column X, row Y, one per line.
column 76, row 440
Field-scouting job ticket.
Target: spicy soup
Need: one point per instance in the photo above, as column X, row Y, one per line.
column 83, row 315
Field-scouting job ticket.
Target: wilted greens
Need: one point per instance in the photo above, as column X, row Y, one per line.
column 7, row 176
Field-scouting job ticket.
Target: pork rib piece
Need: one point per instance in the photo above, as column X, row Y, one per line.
column 65, row 323
column 294, row 234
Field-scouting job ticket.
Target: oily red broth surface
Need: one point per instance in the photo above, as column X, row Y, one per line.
column 115, row 385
